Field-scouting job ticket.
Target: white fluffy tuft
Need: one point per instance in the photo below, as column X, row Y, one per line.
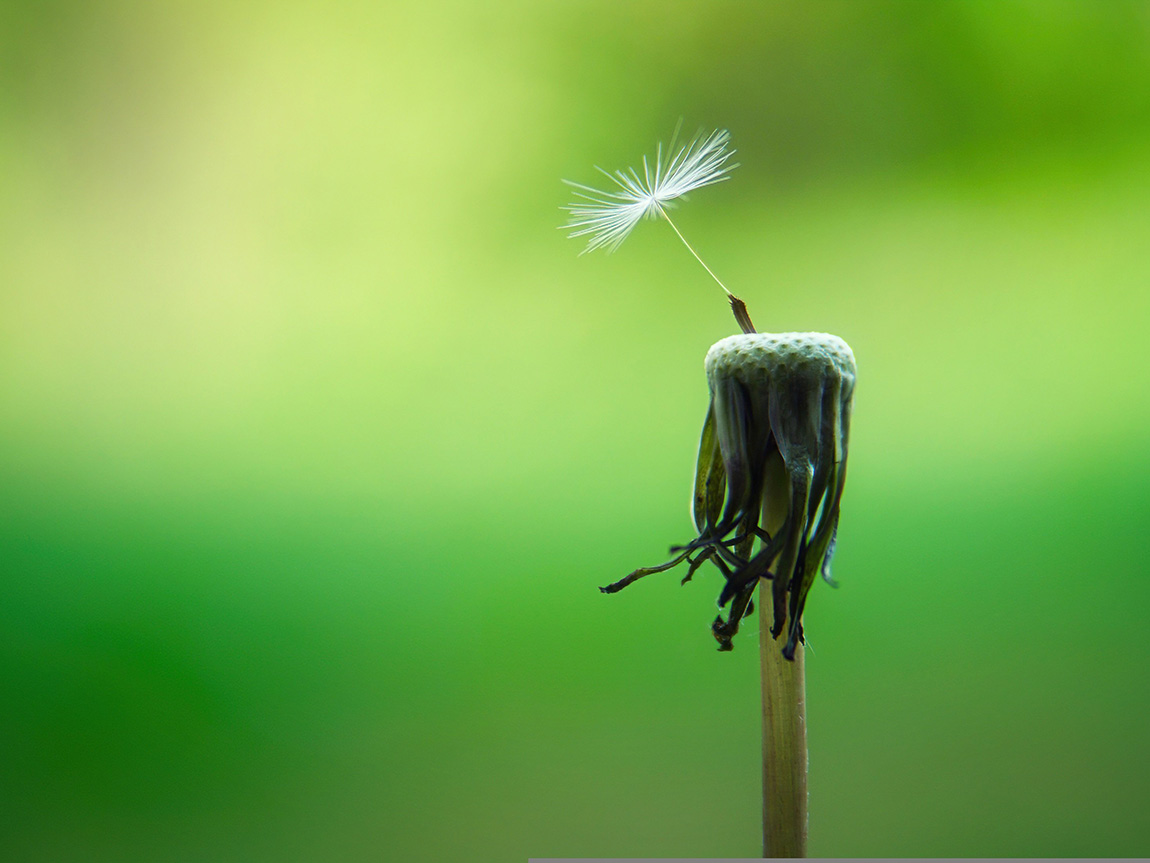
column 607, row 217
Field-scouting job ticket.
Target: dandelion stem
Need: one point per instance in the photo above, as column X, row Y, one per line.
column 663, row 213
column 784, row 709
column 784, row 748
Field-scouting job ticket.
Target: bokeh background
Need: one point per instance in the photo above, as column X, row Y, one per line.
column 316, row 436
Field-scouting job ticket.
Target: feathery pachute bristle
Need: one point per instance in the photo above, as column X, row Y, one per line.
column 606, row 217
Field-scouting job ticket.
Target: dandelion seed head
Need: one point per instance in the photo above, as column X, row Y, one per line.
column 607, row 216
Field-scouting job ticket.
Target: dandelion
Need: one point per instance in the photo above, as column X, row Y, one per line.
column 771, row 467
column 769, row 475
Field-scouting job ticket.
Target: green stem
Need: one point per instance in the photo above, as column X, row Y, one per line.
column 784, row 745
column 784, row 704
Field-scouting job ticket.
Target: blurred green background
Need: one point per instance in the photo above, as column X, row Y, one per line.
column 316, row 436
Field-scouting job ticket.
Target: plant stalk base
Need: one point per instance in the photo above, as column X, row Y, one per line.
column 784, row 746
